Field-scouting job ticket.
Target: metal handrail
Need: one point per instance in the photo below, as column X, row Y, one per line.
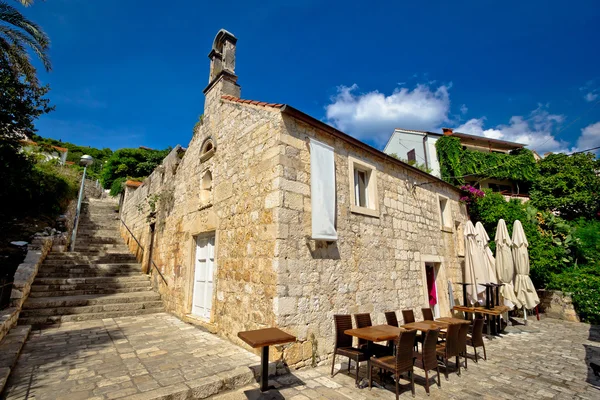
column 152, row 263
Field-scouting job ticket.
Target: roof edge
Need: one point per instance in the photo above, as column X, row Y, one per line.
column 295, row 113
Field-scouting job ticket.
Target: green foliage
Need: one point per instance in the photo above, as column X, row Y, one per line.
column 584, row 285
column 412, row 163
column 30, row 188
column 587, row 235
column 568, row 185
column 456, row 162
column 17, row 33
column 21, row 103
column 550, row 243
column 131, row 162
column 75, row 152
column 117, row 186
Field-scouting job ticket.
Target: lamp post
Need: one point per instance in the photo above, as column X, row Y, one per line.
column 86, row 161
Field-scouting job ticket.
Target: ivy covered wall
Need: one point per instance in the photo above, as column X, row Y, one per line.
column 456, row 162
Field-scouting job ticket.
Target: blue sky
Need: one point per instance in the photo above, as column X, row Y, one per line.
column 130, row 73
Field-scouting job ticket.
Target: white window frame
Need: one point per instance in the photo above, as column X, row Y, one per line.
column 445, row 214
column 371, row 199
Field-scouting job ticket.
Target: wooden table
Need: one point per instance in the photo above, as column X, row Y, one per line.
column 376, row 333
column 263, row 338
column 451, row 320
column 425, row 326
column 492, row 315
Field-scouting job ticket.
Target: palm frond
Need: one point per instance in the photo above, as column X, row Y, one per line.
column 17, row 36
column 12, row 16
column 17, row 59
column 26, row 3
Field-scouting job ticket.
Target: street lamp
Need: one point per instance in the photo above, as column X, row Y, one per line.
column 85, row 161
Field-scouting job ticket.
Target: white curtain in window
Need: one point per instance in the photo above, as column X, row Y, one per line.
column 322, row 191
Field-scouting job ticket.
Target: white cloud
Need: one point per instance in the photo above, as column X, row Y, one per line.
column 590, row 137
column 591, row 90
column 464, row 109
column 536, row 130
column 373, row 116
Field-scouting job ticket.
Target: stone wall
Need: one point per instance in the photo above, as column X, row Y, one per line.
column 558, row 305
column 246, row 159
column 378, row 263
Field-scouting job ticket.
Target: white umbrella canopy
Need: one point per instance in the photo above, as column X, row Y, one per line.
column 524, row 289
column 483, row 241
column 474, row 272
column 505, row 266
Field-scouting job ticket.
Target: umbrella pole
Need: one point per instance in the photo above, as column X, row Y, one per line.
column 525, row 314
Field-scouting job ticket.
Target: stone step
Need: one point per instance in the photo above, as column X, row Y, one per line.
column 99, row 240
column 85, row 267
column 84, row 271
column 91, row 255
column 121, row 259
column 95, row 280
column 82, row 292
column 91, row 286
column 98, row 233
column 94, row 309
column 86, row 246
column 89, row 300
column 10, row 348
column 55, row 319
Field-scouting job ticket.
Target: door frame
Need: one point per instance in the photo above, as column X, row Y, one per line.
column 192, row 275
column 441, row 283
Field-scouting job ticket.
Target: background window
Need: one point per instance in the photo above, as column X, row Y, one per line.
column 412, row 155
column 445, row 215
column 361, row 183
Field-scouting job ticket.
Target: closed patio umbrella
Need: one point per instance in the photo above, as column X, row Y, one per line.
column 524, row 289
column 505, row 269
column 483, row 241
column 474, row 272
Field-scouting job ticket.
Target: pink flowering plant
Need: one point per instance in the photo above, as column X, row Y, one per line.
column 471, row 194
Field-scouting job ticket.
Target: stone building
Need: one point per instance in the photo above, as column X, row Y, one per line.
column 228, row 233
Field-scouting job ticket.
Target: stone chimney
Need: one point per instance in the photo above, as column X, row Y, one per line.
column 447, row 131
column 222, row 79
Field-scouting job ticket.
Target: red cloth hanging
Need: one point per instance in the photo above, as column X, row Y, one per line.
column 431, row 286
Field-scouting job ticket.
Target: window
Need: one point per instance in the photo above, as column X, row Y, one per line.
column 412, row 155
column 206, row 188
column 445, row 214
column 207, row 150
column 363, row 187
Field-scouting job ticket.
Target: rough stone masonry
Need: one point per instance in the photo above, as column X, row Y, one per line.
column 245, row 177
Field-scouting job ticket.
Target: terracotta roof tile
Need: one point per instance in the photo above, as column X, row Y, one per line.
column 133, row 183
column 251, row 102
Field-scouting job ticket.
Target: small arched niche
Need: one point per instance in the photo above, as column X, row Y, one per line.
column 206, row 188
column 207, row 150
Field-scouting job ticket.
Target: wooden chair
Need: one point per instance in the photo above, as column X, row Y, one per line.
column 427, row 314
column 476, row 338
column 362, row 321
column 343, row 344
column 391, row 319
column 408, row 316
column 450, row 348
column 427, row 359
column 401, row 362
column 462, row 343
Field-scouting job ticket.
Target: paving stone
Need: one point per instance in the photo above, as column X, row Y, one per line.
column 83, row 360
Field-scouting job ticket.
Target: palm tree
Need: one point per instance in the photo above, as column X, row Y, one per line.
column 16, row 34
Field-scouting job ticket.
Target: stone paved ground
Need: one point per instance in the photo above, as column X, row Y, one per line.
column 144, row 357
column 546, row 359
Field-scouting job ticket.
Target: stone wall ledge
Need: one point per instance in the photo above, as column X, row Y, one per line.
column 558, row 305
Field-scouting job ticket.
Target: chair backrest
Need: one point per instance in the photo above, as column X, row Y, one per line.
column 342, row 323
column 408, row 316
column 462, row 337
column 404, row 350
column 452, row 346
column 427, row 314
column 391, row 319
column 362, row 321
column 429, row 356
column 477, row 334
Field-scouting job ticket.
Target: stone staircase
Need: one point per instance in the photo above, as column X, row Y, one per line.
column 100, row 279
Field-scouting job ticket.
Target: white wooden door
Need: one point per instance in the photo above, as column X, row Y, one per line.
column 203, row 276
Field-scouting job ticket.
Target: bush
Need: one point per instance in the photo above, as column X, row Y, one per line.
column 584, row 285
column 131, row 162
column 117, row 186
column 587, row 234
